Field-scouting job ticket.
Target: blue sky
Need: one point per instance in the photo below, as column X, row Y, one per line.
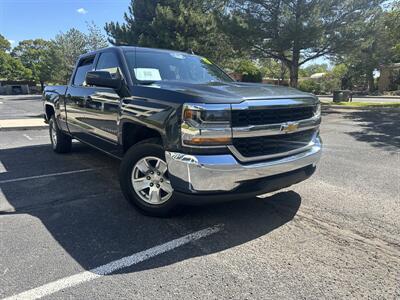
column 30, row 19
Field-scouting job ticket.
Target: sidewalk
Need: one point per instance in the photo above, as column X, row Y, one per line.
column 22, row 124
column 391, row 99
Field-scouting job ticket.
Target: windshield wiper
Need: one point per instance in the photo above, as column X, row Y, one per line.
column 147, row 82
column 216, row 82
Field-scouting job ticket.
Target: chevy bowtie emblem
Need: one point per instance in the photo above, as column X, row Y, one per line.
column 289, row 127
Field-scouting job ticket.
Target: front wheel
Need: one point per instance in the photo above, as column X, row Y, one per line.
column 144, row 179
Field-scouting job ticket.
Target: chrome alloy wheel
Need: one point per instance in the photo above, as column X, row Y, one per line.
column 150, row 180
column 53, row 134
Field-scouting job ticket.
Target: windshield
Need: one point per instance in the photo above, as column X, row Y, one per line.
column 148, row 67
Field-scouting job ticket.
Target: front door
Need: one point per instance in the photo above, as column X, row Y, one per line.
column 102, row 106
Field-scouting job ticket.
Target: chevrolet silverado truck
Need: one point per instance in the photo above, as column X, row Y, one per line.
column 184, row 130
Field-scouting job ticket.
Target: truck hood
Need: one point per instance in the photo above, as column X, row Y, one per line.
column 231, row 92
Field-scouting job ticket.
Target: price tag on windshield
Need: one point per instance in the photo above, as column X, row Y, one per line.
column 206, row 61
column 147, row 74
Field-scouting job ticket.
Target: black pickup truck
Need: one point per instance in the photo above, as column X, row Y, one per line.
column 184, row 130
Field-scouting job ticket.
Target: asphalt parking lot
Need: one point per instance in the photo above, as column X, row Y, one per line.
column 66, row 231
column 20, row 106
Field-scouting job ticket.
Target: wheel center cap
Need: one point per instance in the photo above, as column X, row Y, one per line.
column 156, row 178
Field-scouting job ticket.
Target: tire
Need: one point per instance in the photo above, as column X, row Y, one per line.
column 141, row 180
column 60, row 142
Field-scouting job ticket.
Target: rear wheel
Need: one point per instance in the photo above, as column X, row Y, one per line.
column 144, row 179
column 60, row 141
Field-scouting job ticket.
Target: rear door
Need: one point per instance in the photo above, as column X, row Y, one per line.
column 76, row 97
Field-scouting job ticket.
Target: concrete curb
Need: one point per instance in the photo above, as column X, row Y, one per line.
column 22, row 124
column 324, row 106
column 364, row 97
column 23, row 128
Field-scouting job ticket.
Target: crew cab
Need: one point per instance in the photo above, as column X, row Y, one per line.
column 186, row 133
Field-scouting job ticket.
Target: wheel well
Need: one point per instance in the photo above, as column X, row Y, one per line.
column 133, row 133
column 49, row 111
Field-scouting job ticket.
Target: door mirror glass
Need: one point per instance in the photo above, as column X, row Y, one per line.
column 102, row 79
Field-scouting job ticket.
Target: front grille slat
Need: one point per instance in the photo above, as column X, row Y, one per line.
column 269, row 145
column 243, row 118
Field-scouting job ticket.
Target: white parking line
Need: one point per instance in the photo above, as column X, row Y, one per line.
column 27, row 136
column 2, row 168
column 47, row 175
column 113, row 266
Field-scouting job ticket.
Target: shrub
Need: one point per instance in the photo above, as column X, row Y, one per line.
column 310, row 86
column 249, row 71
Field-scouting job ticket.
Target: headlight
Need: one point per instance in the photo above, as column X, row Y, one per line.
column 206, row 125
column 317, row 110
column 202, row 117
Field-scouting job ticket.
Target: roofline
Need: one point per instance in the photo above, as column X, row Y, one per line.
column 122, row 48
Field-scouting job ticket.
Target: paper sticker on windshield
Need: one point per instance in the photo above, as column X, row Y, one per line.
column 177, row 55
column 147, row 74
column 206, row 61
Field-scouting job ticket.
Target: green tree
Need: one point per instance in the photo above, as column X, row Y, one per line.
column 34, row 55
column 249, row 71
column 297, row 31
column 272, row 68
column 95, row 39
column 372, row 51
column 5, row 45
column 137, row 20
column 332, row 80
column 68, row 47
column 11, row 68
column 313, row 69
column 185, row 25
column 392, row 25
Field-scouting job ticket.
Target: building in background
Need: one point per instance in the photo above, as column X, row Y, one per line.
column 17, row 87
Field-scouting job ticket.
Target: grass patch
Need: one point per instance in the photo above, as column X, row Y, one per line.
column 363, row 104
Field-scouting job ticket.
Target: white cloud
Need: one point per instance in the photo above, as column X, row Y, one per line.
column 11, row 42
column 81, row 11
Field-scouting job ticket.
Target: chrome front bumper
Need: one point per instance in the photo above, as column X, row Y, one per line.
column 223, row 173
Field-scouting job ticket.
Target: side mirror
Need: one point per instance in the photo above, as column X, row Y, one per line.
column 103, row 79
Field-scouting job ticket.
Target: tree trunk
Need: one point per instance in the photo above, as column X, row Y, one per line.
column 371, row 81
column 42, row 86
column 294, row 67
column 294, row 74
column 282, row 73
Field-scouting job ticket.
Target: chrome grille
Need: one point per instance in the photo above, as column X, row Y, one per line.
column 242, row 118
column 258, row 127
column 273, row 144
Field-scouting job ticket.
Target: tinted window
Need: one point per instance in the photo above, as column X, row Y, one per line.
column 84, row 66
column 108, row 61
column 159, row 66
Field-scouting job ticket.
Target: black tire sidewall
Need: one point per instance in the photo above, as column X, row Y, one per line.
column 64, row 142
column 51, row 122
column 132, row 156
